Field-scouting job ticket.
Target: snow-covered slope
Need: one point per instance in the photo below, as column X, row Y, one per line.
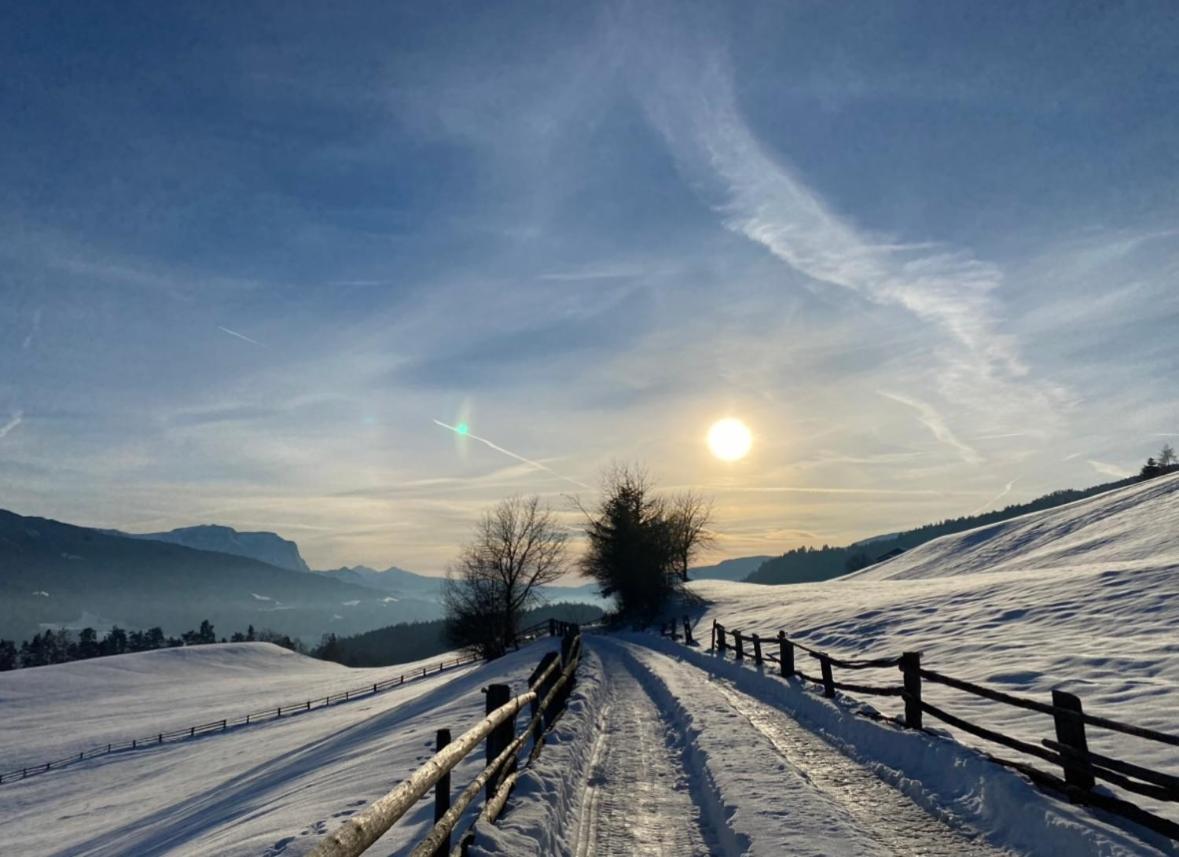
column 52, row 712
column 268, row 789
column 1084, row 597
column 1134, row 528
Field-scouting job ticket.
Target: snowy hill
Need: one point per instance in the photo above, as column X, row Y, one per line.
column 264, row 547
column 1084, row 597
column 1131, row 528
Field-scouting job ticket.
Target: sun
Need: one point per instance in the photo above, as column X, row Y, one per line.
column 729, row 439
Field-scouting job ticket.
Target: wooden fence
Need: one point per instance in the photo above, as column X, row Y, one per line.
column 262, row 716
column 549, row 687
column 1069, row 750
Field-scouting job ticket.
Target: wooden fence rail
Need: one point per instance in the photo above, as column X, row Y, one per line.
column 548, row 689
column 1069, row 750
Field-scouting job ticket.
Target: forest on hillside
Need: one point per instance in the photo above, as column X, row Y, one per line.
column 808, row 564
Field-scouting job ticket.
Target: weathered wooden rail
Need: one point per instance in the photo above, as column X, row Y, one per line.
column 254, row 717
column 549, row 687
column 1069, row 751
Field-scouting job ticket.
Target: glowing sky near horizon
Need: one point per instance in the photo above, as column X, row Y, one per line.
column 926, row 255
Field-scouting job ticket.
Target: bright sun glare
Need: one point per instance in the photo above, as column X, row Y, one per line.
column 729, row 439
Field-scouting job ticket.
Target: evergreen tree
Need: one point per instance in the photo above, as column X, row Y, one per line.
column 9, row 659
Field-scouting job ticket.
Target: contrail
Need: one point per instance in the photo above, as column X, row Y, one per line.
column 17, row 416
column 239, row 335
column 511, row 454
column 990, row 504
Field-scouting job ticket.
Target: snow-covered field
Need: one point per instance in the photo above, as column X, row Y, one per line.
column 267, row 789
column 1083, row 597
column 59, row 711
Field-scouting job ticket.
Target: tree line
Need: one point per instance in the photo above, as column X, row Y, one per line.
column 809, row 564
column 639, row 547
column 62, row 646
column 414, row 641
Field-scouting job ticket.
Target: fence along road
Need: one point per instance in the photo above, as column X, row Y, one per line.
column 1068, row 750
column 548, row 689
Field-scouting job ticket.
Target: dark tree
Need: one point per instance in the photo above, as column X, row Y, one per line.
column 518, row 547
column 88, row 644
column 8, row 656
column 115, row 643
column 633, row 552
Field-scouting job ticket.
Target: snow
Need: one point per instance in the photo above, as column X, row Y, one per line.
column 58, row 711
column 268, row 789
column 1084, row 597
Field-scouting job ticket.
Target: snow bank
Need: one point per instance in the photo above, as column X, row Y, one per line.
column 538, row 816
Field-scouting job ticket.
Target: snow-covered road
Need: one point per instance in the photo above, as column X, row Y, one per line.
column 673, row 742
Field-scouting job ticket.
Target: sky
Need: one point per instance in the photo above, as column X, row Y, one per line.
column 253, row 254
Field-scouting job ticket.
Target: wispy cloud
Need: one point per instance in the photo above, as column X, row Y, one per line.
column 240, row 336
column 689, row 92
column 34, row 328
column 15, row 420
column 933, row 420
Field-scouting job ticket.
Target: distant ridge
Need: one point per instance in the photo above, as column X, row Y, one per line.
column 808, row 564
column 56, row 575
column 262, row 546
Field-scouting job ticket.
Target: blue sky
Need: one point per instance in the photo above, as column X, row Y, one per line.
column 250, row 252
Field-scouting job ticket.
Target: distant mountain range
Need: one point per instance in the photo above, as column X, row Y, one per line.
column 55, row 575
column 729, row 569
column 264, row 547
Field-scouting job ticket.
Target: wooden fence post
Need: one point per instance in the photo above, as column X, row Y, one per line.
column 828, row 680
column 911, row 667
column 721, row 642
column 442, row 793
column 739, row 643
column 497, row 695
column 757, row 649
column 785, row 655
column 541, row 693
column 1070, row 731
column 687, row 632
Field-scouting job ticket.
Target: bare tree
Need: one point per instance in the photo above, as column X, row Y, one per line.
column 689, row 515
column 518, row 547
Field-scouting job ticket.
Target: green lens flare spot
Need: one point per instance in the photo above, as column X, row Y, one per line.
column 462, row 428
